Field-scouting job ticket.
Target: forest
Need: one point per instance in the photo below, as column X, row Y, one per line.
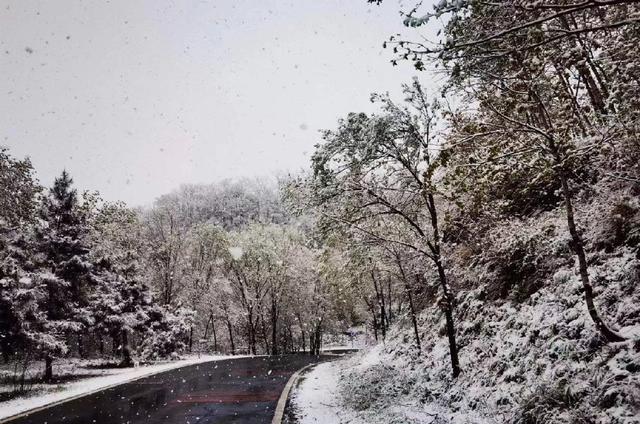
column 216, row 268
column 486, row 234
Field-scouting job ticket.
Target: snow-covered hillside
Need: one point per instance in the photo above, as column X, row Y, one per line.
column 538, row 361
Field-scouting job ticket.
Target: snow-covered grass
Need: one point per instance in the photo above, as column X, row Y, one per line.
column 42, row 395
column 325, row 395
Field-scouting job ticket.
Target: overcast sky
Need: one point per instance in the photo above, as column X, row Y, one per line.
column 136, row 97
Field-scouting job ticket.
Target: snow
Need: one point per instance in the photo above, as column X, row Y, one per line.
column 537, row 359
column 315, row 397
column 236, row 252
column 112, row 377
column 322, row 396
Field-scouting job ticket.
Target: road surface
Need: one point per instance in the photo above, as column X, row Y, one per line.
column 243, row 390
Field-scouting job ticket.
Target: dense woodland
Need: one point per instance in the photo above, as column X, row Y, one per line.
column 519, row 176
column 218, row 268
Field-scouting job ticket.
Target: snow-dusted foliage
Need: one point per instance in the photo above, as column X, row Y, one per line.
column 70, row 277
column 165, row 332
column 537, row 361
column 517, row 217
column 485, row 235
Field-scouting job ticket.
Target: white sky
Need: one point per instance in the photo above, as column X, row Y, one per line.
column 135, row 97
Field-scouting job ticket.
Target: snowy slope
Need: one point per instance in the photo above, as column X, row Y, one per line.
column 529, row 361
column 534, row 362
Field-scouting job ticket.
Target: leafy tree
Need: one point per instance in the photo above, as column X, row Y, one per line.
column 19, row 295
column 120, row 301
column 385, row 166
column 540, row 96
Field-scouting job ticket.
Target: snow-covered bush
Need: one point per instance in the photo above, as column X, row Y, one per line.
column 167, row 333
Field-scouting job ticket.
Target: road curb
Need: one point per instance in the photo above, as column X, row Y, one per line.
column 7, row 420
column 284, row 396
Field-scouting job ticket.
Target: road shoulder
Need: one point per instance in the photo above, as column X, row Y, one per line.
column 314, row 397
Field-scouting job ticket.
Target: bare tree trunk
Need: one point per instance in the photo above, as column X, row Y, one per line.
column 414, row 319
column 252, row 333
column 578, row 247
column 80, row 346
column 412, row 310
column 380, row 302
column 274, row 328
column 230, row 329
column 389, row 303
column 48, row 369
column 447, row 303
column 374, row 318
column 265, row 338
column 318, row 339
column 206, row 327
column 215, row 336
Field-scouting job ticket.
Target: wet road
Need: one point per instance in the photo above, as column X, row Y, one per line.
column 243, row 390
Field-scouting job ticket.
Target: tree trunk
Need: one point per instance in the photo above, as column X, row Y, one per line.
column 252, row 333
column 191, row 338
column 267, row 347
column 389, row 303
column 412, row 310
column 6, row 356
column 375, row 326
column 318, row 339
column 213, row 332
column 414, row 319
column 578, row 247
column 230, row 329
column 80, row 346
column 274, row 328
column 115, row 346
column 380, row 302
column 447, row 303
column 48, row 369
column 215, row 336
column 126, row 351
column 206, row 327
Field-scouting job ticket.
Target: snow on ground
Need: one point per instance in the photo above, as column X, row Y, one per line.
column 536, row 361
column 44, row 395
column 316, row 394
column 319, row 398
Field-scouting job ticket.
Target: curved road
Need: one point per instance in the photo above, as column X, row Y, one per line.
column 243, row 390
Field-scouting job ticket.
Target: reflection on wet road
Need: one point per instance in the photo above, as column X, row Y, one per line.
column 243, row 390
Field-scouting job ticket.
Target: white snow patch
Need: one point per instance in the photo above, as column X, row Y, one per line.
column 236, row 252
column 314, row 400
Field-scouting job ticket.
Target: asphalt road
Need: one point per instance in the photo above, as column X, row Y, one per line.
column 243, row 390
